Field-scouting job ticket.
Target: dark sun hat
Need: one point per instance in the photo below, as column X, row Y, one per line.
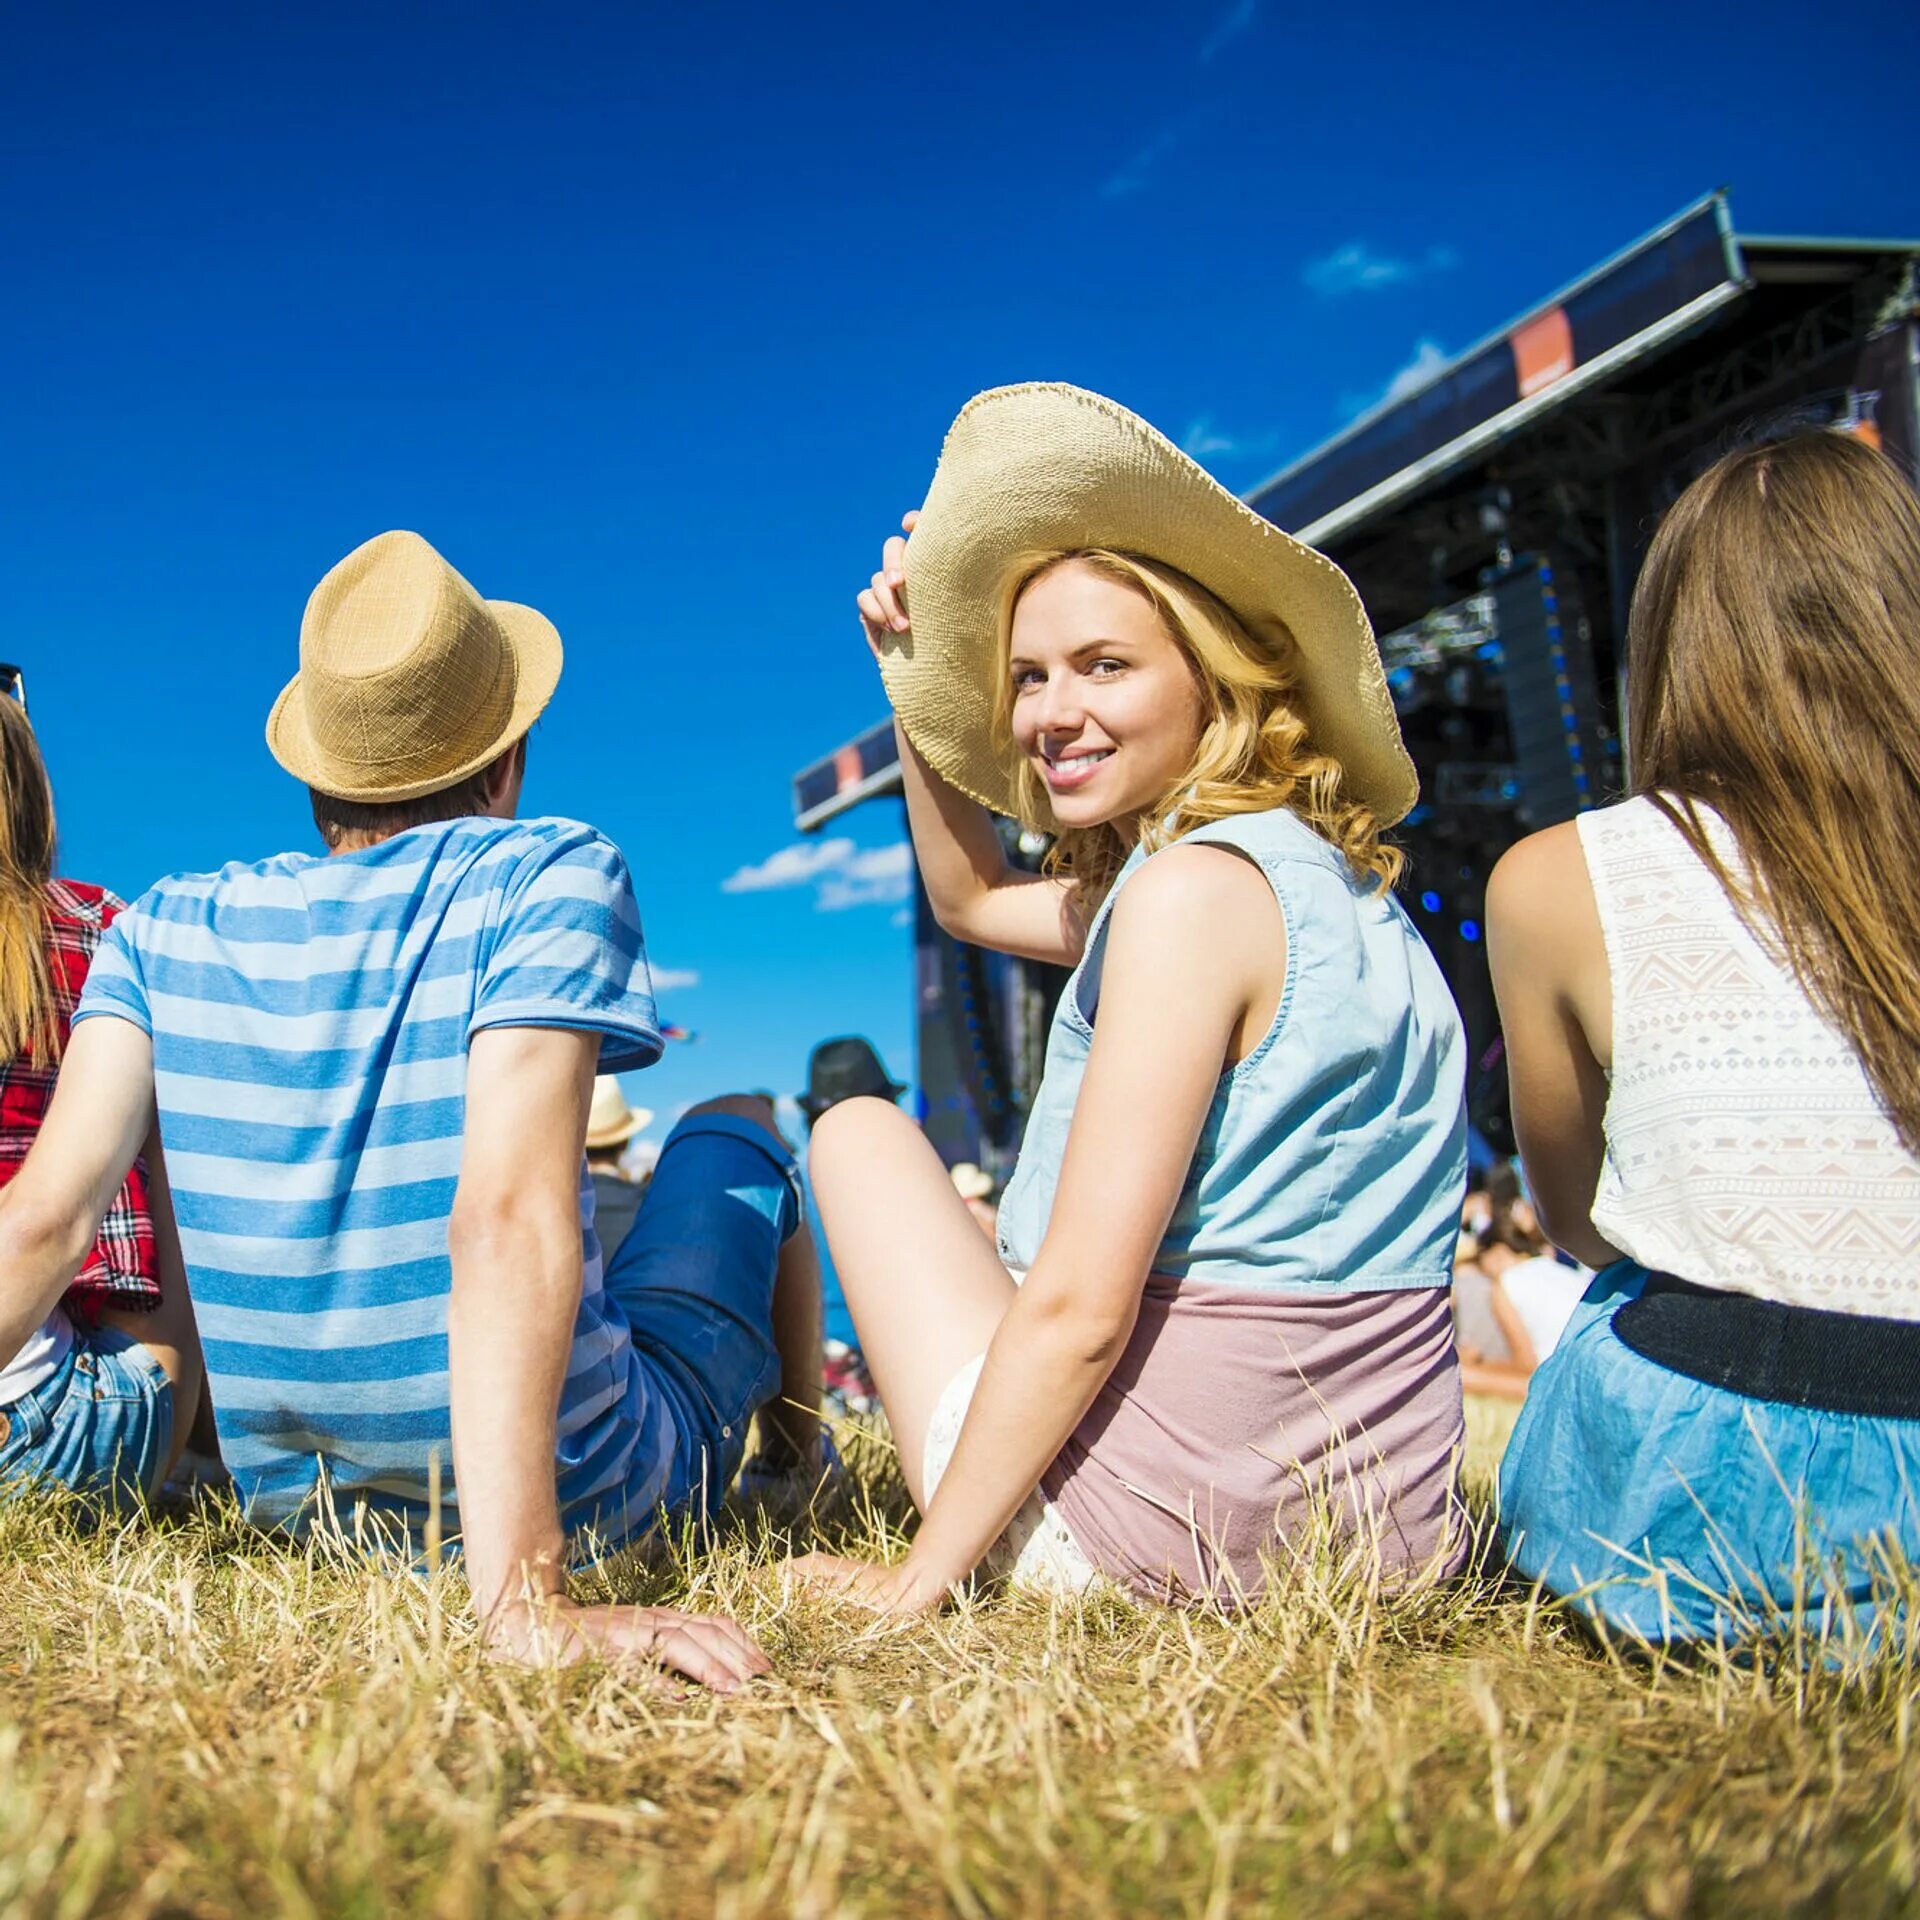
column 843, row 1069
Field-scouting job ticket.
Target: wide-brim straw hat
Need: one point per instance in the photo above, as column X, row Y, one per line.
column 1046, row 468
column 408, row 680
column 610, row 1121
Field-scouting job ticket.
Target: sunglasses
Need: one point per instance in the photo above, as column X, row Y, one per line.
column 13, row 683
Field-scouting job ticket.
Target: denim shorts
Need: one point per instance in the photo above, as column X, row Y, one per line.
column 1679, row 1510
column 694, row 1279
column 102, row 1423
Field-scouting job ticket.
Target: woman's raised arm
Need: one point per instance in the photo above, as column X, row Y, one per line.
column 978, row 895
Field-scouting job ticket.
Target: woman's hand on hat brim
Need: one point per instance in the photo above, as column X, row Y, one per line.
column 883, row 602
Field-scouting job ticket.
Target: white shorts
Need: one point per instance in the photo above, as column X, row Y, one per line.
column 1036, row 1551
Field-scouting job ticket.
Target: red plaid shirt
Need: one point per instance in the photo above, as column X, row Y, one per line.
column 120, row 1271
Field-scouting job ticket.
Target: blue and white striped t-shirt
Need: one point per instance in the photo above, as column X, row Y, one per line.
column 310, row 1019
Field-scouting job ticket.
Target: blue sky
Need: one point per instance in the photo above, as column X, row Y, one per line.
column 655, row 318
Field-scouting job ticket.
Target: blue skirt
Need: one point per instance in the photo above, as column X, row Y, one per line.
column 1676, row 1510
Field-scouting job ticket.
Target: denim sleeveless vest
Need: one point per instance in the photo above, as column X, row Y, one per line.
column 1333, row 1157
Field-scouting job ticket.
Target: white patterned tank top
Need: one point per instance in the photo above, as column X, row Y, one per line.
column 1745, row 1146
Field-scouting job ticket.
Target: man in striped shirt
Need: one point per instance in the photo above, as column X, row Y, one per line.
column 372, row 1071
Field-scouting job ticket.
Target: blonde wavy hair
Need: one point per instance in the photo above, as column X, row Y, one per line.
column 1254, row 753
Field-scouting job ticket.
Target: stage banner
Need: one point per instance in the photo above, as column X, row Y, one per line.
column 1645, row 295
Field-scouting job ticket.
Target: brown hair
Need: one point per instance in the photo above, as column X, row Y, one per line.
column 1774, row 676
column 1505, row 1227
column 375, row 820
column 29, row 1020
column 1253, row 754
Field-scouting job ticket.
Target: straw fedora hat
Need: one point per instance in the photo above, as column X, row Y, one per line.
column 408, row 680
column 1044, row 468
column 610, row 1121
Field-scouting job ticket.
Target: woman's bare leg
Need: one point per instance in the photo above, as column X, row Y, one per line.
column 924, row 1286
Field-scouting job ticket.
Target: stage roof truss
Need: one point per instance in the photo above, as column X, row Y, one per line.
column 1677, row 283
column 1744, row 372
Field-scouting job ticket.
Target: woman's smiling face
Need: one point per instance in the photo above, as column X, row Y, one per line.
column 1105, row 704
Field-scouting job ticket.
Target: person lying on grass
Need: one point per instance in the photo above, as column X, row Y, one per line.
column 372, row 1072
column 1711, row 999
column 1511, row 1298
column 1221, row 1285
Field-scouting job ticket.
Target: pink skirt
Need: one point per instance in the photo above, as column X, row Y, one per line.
column 1243, row 1429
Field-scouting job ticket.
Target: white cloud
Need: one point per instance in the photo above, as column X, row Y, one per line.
column 1429, row 361
column 881, row 876
column 1352, row 269
column 1356, row 268
column 793, row 866
column 1230, row 26
column 667, row 979
column 1203, row 438
column 841, row 874
column 1134, row 175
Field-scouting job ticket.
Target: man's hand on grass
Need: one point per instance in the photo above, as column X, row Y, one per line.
column 905, row 1589
column 554, row 1632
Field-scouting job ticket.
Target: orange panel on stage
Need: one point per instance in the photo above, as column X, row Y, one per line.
column 1543, row 351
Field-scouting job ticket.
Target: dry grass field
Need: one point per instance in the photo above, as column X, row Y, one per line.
column 197, row 1721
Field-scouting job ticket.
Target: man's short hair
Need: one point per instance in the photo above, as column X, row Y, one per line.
column 379, row 819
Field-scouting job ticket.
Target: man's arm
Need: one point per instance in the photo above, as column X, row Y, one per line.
column 514, row 1241
column 50, row 1212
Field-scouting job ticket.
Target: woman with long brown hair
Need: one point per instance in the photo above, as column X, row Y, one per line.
column 100, row 1397
column 1711, row 998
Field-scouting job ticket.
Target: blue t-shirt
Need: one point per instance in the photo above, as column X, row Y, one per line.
column 310, row 1021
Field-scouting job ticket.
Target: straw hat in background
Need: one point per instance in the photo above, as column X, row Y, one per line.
column 1048, row 468
column 969, row 1181
column 408, row 680
column 610, row 1121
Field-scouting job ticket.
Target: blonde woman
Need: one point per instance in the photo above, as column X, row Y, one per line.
column 1220, row 1290
column 99, row 1392
column 1711, row 998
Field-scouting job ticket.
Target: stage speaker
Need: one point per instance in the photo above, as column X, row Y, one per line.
column 1562, row 747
